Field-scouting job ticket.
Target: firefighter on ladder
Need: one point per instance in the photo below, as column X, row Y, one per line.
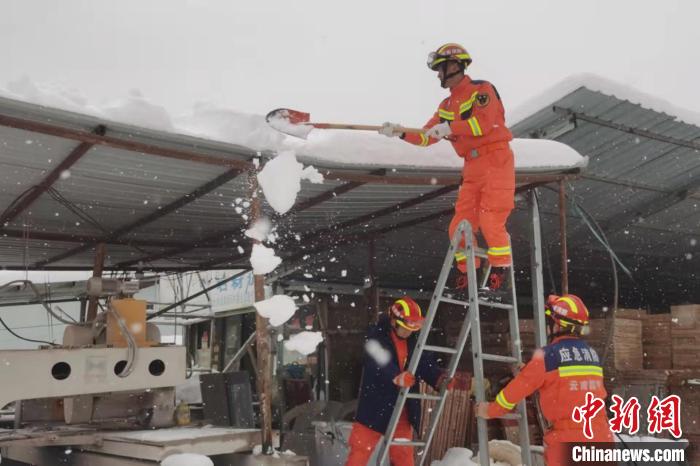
column 563, row 372
column 390, row 344
column 472, row 119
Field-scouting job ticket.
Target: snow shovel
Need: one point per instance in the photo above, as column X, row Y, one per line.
column 296, row 123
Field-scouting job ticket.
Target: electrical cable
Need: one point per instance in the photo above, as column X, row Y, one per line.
column 132, row 347
column 41, row 300
column 24, row 338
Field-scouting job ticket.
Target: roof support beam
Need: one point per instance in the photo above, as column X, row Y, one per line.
column 221, row 236
column 80, row 239
column 36, row 191
column 315, row 235
column 155, row 215
column 647, row 209
column 128, row 145
column 628, row 129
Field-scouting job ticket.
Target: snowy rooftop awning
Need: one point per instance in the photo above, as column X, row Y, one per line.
column 171, row 193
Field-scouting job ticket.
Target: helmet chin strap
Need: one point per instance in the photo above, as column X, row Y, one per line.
column 445, row 76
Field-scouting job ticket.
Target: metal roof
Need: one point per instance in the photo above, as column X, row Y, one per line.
column 165, row 201
column 168, row 202
column 642, row 185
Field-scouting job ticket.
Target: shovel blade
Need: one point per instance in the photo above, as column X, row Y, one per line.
column 288, row 121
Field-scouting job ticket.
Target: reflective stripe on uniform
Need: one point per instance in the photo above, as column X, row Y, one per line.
column 445, row 115
column 424, row 139
column 467, row 104
column 501, row 400
column 574, row 371
column 460, row 256
column 474, row 125
column 502, row 251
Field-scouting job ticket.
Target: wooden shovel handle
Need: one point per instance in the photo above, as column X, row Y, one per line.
column 362, row 127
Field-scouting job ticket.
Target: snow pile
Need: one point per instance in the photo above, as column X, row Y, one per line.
column 281, row 123
column 279, row 309
column 376, row 351
column 280, row 180
column 136, row 110
column 187, row 459
column 457, row 457
column 502, row 453
column 304, row 342
column 260, row 229
column 263, row 259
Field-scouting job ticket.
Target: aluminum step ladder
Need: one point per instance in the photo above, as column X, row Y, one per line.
column 470, row 326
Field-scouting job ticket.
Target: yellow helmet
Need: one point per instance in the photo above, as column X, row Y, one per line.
column 447, row 52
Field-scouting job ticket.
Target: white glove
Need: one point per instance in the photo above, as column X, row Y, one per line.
column 390, row 130
column 439, row 131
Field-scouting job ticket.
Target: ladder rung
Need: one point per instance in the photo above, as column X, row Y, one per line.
column 439, row 349
column 496, row 305
column 423, row 396
column 515, row 416
column 454, row 301
column 498, row 358
column 407, row 443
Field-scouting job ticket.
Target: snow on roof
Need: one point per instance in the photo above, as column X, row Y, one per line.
column 323, row 147
column 604, row 86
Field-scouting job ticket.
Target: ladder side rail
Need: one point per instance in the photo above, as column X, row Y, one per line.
column 516, row 349
column 479, row 389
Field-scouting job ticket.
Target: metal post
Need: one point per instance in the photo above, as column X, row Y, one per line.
column 96, row 272
column 562, row 233
column 372, row 293
column 262, row 339
column 536, row 271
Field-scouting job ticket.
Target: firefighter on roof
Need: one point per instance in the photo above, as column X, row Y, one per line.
column 472, row 119
column 564, row 371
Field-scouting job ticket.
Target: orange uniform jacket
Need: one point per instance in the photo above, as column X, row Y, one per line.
column 475, row 114
column 563, row 372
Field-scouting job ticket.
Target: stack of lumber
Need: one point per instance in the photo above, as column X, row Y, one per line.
column 456, row 418
column 685, row 336
column 619, row 341
column 656, row 341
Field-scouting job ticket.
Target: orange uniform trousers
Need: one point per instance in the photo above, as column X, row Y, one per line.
column 363, row 440
column 485, row 199
column 556, row 452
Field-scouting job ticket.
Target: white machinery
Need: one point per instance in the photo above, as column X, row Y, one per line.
column 94, row 395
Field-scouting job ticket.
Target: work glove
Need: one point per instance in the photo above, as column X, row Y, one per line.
column 450, row 383
column 482, row 410
column 390, row 130
column 439, row 131
column 405, row 380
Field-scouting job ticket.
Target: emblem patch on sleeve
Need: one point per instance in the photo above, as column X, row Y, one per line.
column 482, row 100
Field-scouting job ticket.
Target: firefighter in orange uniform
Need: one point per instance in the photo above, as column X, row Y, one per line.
column 472, row 118
column 395, row 336
column 563, row 372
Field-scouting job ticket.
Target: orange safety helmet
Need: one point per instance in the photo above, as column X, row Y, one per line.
column 568, row 311
column 407, row 313
column 447, row 52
